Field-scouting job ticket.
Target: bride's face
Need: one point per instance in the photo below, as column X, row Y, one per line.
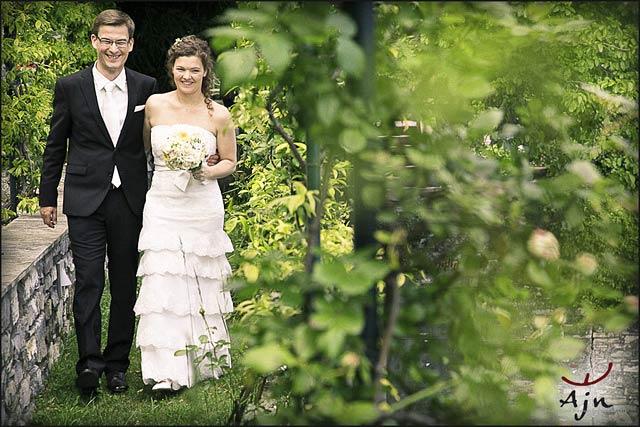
column 188, row 73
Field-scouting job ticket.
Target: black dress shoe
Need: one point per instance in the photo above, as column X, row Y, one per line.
column 116, row 382
column 87, row 380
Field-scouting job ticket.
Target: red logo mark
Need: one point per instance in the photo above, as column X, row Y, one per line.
column 586, row 378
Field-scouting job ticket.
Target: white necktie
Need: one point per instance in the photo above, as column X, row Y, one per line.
column 112, row 120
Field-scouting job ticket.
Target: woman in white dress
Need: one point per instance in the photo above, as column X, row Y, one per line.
column 183, row 265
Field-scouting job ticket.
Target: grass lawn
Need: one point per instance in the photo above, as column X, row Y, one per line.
column 207, row 403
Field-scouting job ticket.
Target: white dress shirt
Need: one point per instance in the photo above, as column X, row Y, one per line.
column 119, row 92
column 120, row 100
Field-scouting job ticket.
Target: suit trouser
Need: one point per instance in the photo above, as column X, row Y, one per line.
column 115, row 228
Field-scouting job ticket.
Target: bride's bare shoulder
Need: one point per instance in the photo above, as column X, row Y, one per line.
column 219, row 113
column 159, row 99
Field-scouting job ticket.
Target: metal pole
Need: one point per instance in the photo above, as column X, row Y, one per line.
column 313, row 222
column 313, row 183
column 363, row 217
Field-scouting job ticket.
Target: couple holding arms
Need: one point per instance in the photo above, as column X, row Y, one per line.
column 104, row 120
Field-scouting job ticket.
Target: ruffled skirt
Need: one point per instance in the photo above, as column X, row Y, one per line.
column 182, row 301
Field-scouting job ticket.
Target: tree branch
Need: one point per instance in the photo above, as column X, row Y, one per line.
column 381, row 366
column 615, row 47
column 278, row 126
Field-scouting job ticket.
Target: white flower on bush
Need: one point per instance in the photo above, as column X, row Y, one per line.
column 559, row 316
column 586, row 263
column 631, row 303
column 543, row 244
column 350, row 360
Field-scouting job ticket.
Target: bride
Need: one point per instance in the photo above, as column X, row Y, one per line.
column 183, row 265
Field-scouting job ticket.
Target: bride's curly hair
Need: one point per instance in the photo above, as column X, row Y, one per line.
column 193, row 46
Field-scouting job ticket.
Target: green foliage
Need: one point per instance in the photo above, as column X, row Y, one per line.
column 7, row 215
column 268, row 205
column 602, row 90
column 467, row 259
column 506, row 221
column 41, row 42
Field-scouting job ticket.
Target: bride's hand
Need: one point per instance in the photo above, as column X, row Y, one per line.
column 208, row 172
column 198, row 175
column 213, row 159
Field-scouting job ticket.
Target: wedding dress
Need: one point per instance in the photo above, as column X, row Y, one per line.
column 183, row 269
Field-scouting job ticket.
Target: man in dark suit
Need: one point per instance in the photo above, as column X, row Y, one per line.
column 99, row 111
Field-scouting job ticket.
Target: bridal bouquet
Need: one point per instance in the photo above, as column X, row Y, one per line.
column 184, row 151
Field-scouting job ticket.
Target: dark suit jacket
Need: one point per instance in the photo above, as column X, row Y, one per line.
column 91, row 154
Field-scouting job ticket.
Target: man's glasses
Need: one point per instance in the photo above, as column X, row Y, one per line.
column 108, row 42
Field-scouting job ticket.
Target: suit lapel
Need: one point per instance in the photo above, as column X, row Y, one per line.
column 89, row 91
column 132, row 94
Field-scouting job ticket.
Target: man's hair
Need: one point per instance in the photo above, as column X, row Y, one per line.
column 113, row 17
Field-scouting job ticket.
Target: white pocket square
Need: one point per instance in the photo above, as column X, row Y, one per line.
column 138, row 108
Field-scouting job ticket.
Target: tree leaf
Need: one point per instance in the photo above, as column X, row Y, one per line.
column 352, row 140
column 504, row 317
column 338, row 317
column 236, row 67
column 332, row 342
column 538, row 275
column 303, row 342
column 294, row 202
column 585, row 170
column 276, row 50
column 475, row 87
column 488, row 120
column 330, row 273
column 565, row 348
column 358, row 413
column 303, row 381
column 341, row 23
column 373, row 195
column 328, row 107
column 350, row 56
column 268, row 358
column 251, row 272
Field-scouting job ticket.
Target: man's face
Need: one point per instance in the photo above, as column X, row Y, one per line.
column 112, row 56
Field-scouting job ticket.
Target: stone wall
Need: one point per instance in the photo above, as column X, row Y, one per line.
column 5, row 190
column 35, row 316
column 37, row 292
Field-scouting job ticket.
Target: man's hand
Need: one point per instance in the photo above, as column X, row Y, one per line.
column 49, row 215
column 213, row 159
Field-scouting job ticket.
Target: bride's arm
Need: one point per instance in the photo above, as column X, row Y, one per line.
column 146, row 139
column 226, row 143
column 146, row 128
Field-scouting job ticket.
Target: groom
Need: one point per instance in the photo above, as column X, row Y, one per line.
column 99, row 111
